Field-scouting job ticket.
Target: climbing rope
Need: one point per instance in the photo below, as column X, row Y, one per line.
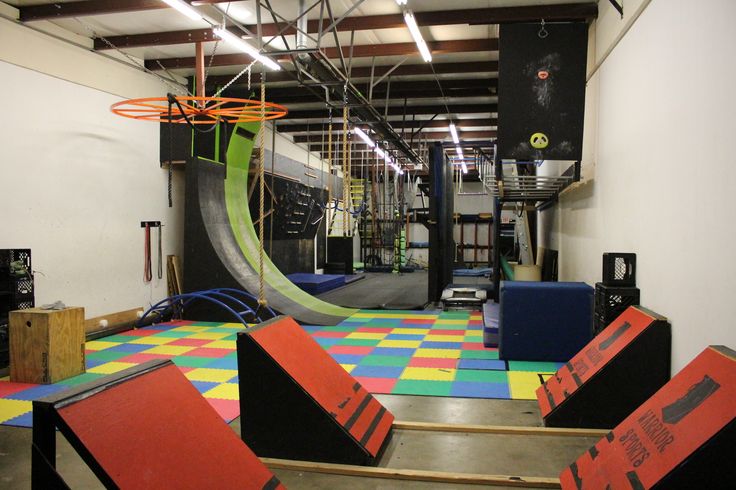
column 262, row 191
column 329, row 158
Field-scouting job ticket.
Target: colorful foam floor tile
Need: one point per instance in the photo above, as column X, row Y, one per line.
column 432, row 353
column 204, row 351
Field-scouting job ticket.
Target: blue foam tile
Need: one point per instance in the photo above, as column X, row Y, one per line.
column 470, row 389
column 223, row 363
column 131, row 348
column 391, row 372
column 403, row 336
column 204, row 386
column 418, row 326
column 428, row 344
column 24, row 420
column 234, row 380
column 347, row 358
column 393, row 351
column 327, row 342
column 310, row 328
column 37, row 392
column 487, row 364
column 474, row 327
column 90, row 363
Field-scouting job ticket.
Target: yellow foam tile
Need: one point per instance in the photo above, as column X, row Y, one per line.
column 225, row 391
column 110, row 367
column 411, row 331
column 221, row 344
column 190, row 328
column 151, row 340
column 366, row 335
column 450, row 322
column 99, row 345
column 410, row 344
column 348, row 367
column 432, row 374
column 523, row 385
column 438, row 353
column 402, row 316
column 212, row 375
column 209, row 335
column 10, row 409
column 445, row 338
column 169, row 350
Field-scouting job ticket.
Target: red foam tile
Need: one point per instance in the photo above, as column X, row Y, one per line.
column 360, row 350
column 446, row 332
column 418, row 321
column 141, row 357
column 209, row 352
column 141, row 332
column 185, row 369
column 432, row 362
column 334, row 335
column 190, row 342
column 8, row 388
column 474, row 346
column 475, row 322
column 228, row 409
column 377, row 385
column 374, row 329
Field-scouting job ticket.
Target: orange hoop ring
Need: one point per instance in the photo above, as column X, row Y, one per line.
column 199, row 110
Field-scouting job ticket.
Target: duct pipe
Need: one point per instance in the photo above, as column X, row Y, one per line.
column 301, row 36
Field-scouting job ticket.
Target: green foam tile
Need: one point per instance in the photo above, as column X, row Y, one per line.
column 82, row 378
column 192, row 361
column 421, row 387
column 173, row 335
column 481, row 376
column 359, row 342
column 479, row 354
column 378, row 360
column 104, row 355
column 535, row 366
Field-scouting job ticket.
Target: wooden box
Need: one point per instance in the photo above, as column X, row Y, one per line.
column 46, row 346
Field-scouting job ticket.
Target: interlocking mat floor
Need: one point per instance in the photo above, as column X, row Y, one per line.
column 397, row 352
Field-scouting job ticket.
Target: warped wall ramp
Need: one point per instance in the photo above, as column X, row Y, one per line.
column 221, row 243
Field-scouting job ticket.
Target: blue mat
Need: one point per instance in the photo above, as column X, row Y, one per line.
column 472, row 272
column 317, row 283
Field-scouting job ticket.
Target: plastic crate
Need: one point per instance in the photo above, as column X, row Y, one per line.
column 619, row 269
column 22, row 287
column 23, row 304
column 610, row 302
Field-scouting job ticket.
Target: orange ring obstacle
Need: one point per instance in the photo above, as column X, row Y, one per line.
column 199, row 110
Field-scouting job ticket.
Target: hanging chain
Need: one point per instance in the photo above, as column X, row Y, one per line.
column 329, row 158
column 345, row 177
column 542, row 31
column 134, row 61
column 262, row 190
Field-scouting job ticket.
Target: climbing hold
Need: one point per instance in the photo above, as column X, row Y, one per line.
column 543, row 74
column 539, row 141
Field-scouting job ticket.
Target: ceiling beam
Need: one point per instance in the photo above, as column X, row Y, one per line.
column 399, row 110
column 362, row 51
column 84, row 8
column 437, row 123
column 481, row 16
column 365, row 72
column 379, row 99
column 429, row 136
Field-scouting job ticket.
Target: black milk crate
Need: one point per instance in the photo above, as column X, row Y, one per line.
column 21, row 287
column 619, row 269
column 610, row 301
column 23, row 303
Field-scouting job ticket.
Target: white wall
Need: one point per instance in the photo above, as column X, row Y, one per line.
column 76, row 179
column 664, row 168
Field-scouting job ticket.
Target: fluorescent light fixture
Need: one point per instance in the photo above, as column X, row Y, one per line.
column 184, row 8
column 465, row 167
column 411, row 23
column 453, row 132
column 380, row 153
column 231, row 38
column 459, row 152
column 401, row 2
column 364, row 137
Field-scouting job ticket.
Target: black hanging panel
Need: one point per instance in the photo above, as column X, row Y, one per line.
column 541, row 91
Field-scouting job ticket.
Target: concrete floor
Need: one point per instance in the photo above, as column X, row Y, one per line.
column 453, row 452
